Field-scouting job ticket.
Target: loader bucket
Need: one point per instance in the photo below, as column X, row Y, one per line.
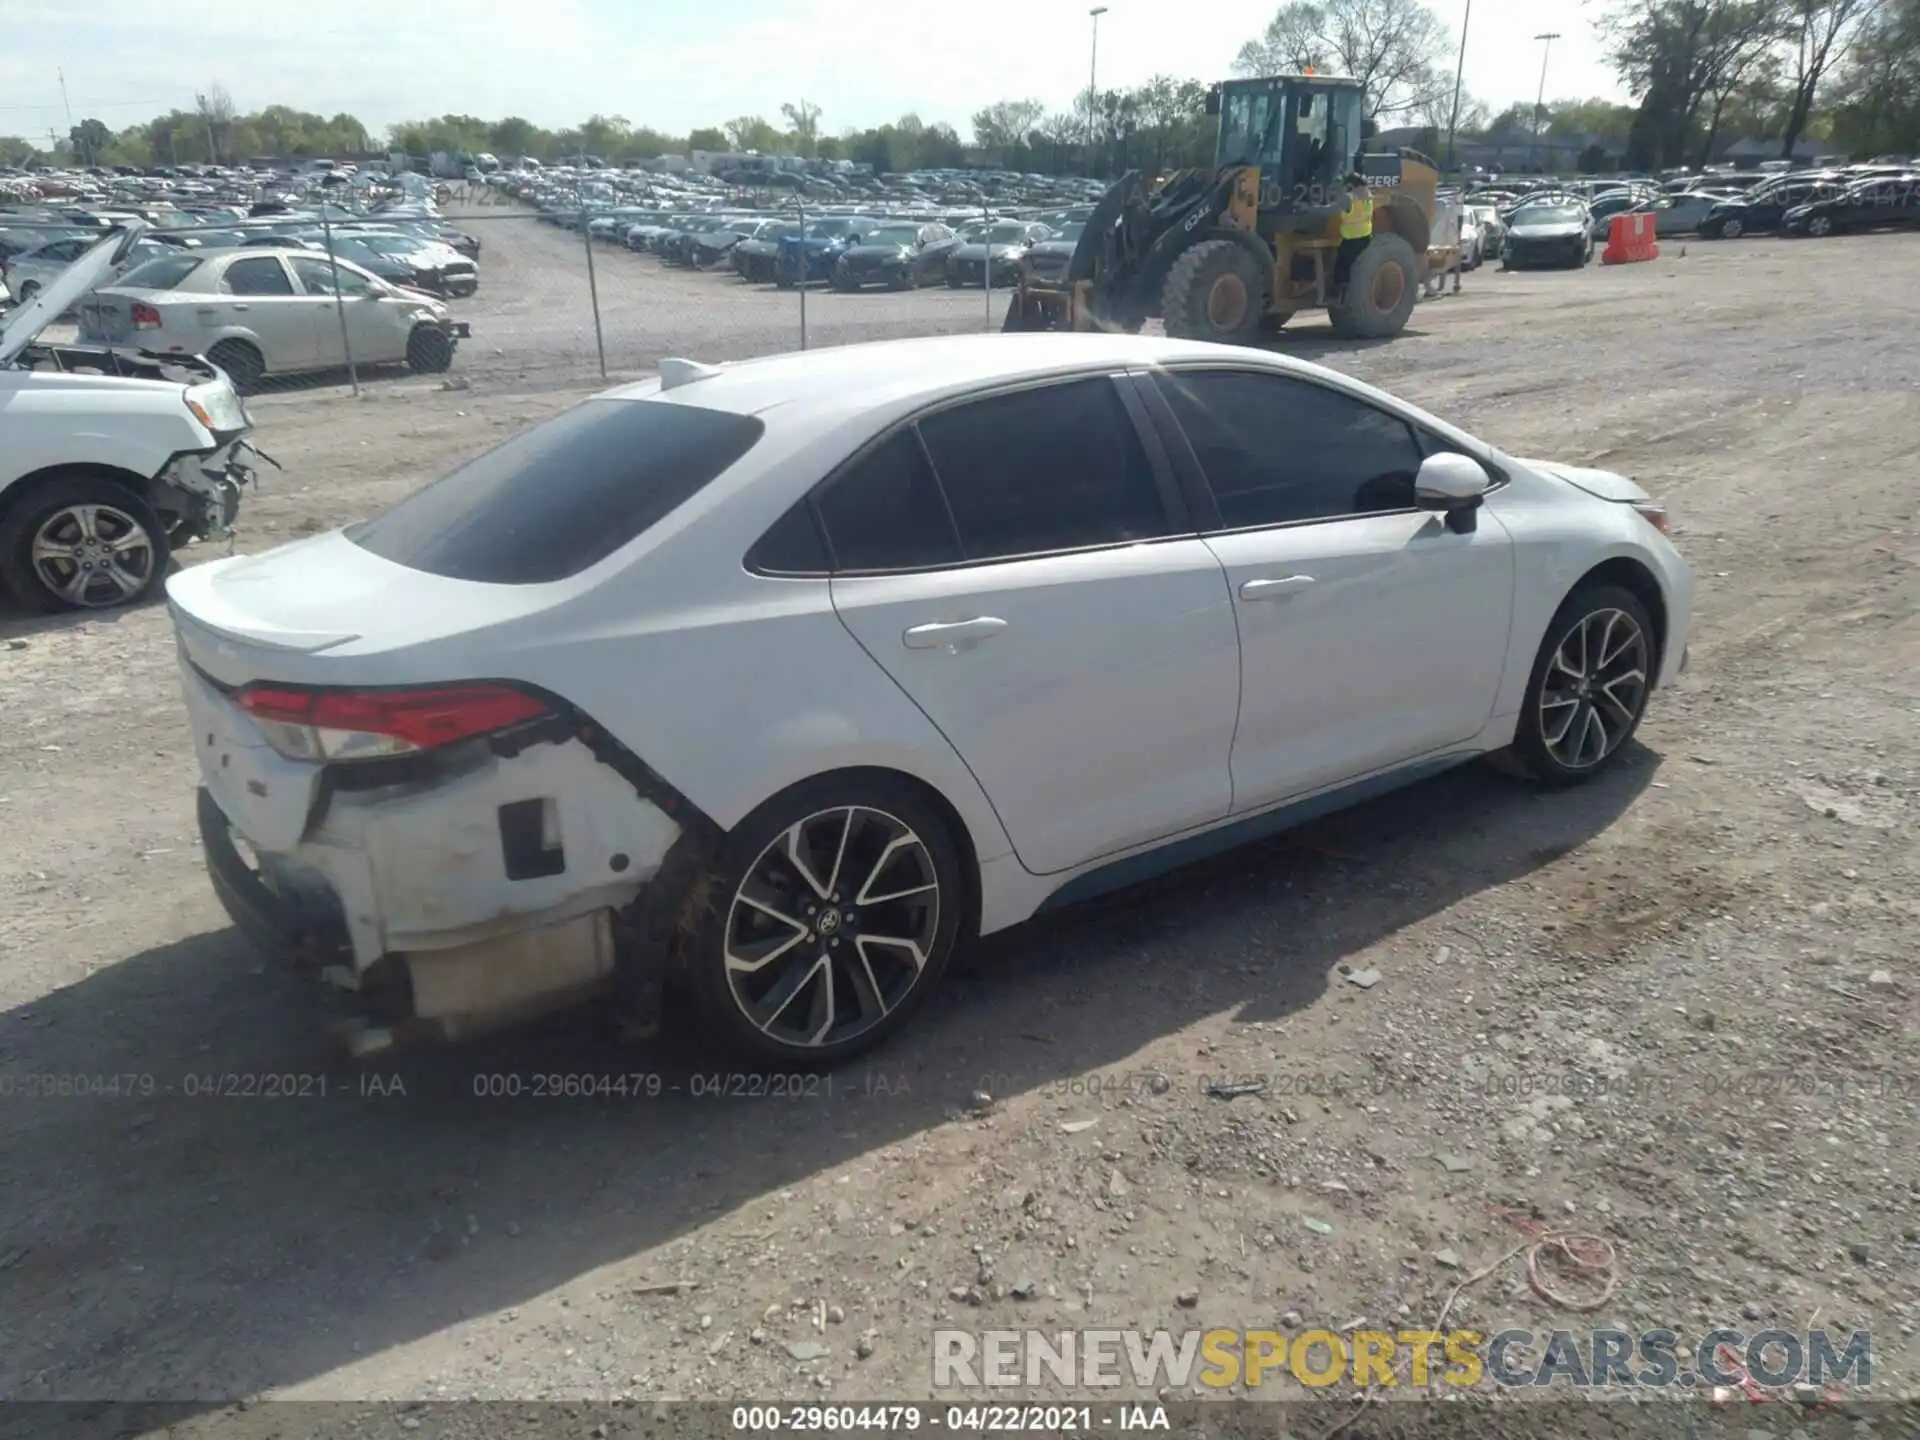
column 1038, row 310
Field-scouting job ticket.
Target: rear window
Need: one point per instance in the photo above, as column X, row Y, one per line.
column 562, row 496
column 161, row 273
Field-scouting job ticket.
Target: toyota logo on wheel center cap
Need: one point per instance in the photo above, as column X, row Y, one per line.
column 829, row 921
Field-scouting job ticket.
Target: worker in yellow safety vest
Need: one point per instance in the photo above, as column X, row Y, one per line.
column 1356, row 227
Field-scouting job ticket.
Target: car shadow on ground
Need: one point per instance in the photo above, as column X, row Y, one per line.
column 191, row 1239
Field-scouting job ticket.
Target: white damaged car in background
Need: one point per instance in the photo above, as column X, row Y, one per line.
column 111, row 457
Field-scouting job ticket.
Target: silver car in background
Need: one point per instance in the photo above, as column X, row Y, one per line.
column 259, row 311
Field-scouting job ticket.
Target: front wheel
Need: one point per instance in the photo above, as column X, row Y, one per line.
column 1819, row 227
column 1380, row 292
column 80, row 542
column 1730, row 229
column 1215, row 291
column 1589, row 687
column 429, row 350
column 828, row 916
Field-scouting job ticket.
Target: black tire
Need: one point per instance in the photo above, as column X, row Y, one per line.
column 953, row 281
column 28, row 289
column 1537, row 751
column 719, row 922
column 429, row 350
column 1377, row 303
column 843, row 282
column 1731, row 229
column 118, row 513
column 903, row 281
column 243, row 363
column 1217, row 290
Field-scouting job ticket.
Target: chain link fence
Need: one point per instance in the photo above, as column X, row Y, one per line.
column 477, row 290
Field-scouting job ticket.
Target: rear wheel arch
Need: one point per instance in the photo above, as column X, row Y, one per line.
column 958, row 832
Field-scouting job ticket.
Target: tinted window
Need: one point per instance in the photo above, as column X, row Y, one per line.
column 1276, row 449
column 316, row 274
column 561, row 496
column 162, row 273
column 886, row 512
column 1052, row 468
column 260, row 275
column 793, row 546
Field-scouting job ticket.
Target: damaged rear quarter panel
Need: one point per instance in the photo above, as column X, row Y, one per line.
column 422, row 868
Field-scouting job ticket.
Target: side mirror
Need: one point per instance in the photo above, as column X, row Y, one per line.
column 1453, row 486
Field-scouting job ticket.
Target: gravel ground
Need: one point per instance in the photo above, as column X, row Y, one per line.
column 1675, row 1009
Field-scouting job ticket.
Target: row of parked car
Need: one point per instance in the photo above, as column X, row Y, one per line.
column 854, row 251
column 1561, row 223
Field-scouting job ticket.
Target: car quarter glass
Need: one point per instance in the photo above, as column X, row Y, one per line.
column 1275, row 450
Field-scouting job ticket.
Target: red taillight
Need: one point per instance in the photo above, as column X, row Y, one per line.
column 145, row 317
column 371, row 724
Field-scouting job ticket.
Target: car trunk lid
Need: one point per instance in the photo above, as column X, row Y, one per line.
column 326, row 611
column 23, row 327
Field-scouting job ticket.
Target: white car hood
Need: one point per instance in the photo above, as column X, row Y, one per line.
column 23, row 327
column 1606, row 484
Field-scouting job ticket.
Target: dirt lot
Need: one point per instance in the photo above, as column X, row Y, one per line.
column 1675, row 1009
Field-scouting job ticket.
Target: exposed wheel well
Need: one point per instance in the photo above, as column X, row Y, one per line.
column 956, row 829
column 139, row 484
column 1632, row 576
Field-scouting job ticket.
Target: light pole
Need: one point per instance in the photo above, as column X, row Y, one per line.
column 1093, row 70
column 1460, row 70
column 1540, row 100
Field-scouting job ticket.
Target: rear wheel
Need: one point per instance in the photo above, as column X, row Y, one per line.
column 1380, row 291
column 429, row 350
column 832, row 911
column 243, row 363
column 80, row 542
column 1215, row 291
column 1819, row 226
column 28, row 289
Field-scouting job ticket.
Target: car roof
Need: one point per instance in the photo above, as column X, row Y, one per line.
column 930, row 368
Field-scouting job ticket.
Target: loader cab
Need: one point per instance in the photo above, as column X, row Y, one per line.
column 1303, row 131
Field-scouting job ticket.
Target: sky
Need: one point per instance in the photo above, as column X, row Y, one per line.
column 676, row 64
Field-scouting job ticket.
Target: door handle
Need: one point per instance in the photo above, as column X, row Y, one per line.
column 1275, row 589
column 240, row 307
column 954, row 635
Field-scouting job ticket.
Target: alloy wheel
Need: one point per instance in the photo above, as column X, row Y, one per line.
column 832, row 926
column 1594, row 688
column 92, row 555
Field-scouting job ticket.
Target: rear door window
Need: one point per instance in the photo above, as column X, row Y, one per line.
column 562, row 496
column 886, row 512
column 1057, row 467
column 258, row 275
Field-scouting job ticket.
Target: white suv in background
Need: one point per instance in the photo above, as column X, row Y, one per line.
column 109, row 458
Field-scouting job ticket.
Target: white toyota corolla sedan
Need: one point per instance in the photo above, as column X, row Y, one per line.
column 760, row 687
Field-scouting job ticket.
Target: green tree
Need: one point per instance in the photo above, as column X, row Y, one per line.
column 751, row 133
column 90, row 139
column 1001, row 129
column 517, row 136
column 15, row 151
column 707, row 137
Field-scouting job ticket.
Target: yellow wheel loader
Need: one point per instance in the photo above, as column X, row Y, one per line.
column 1224, row 253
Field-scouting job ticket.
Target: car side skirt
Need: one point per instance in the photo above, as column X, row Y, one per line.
column 1187, row 849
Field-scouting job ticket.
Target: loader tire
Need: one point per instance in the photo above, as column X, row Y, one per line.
column 1380, row 292
column 1215, row 291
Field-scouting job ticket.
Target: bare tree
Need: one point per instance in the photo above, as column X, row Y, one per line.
column 1396, row 49
column 215, row 108
column 1821, row 31
column 1003, row 127
column 804, row 117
